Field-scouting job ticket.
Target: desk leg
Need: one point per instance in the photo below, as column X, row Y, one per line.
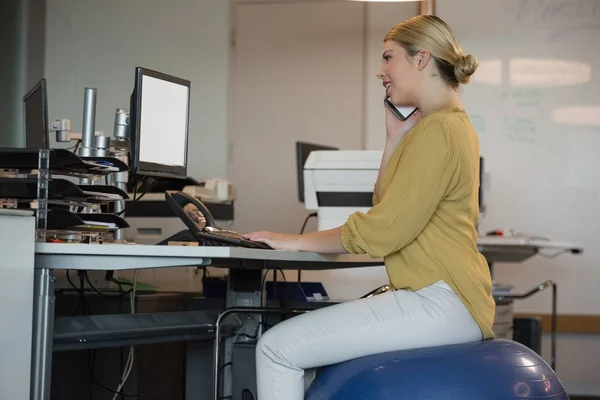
column 237, row 367
column 43, row 334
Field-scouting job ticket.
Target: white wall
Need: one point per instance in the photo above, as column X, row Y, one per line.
column 286, row 58
column 13, row 28
column 99, row 43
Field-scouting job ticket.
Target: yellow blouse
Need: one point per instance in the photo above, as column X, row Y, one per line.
column 423, row 223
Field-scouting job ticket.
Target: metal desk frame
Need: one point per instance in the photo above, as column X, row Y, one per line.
column 246, row 269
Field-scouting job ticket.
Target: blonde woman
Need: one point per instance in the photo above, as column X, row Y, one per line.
column 423, row 223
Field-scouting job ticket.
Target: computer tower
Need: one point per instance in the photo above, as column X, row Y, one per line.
column 528, row 331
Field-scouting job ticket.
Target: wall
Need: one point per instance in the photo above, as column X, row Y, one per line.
column 99, row 44
column 12, row 26
column 36, row 41
column 22, row 27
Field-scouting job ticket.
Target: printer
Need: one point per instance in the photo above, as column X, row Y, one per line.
column 338, row 183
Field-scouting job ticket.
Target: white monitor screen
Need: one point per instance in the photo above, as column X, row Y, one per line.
column 163, row 122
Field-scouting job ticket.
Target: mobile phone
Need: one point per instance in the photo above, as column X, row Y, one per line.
column 403, row 113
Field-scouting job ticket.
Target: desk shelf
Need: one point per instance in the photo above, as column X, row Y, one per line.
column 68, row 222
column 28, row 179
column 60, row 191
column 61, row 161
column 99, row 331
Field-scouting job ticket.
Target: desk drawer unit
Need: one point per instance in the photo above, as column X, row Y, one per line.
column 503, row 320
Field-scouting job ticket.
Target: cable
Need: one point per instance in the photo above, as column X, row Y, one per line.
column 87, row 310
column 309, row 216
column 118, row 393
column 264, row 281
column 135, row 192
column 121, row 292
column 92, row 353
column 129, row 363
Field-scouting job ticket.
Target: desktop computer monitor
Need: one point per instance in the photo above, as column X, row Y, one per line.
column 35, row 117
column 303, row 149
column 159, row 125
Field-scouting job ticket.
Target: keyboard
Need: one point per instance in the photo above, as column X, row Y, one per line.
column 226, row 237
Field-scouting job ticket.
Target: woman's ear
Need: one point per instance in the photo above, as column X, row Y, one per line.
column 423, row 58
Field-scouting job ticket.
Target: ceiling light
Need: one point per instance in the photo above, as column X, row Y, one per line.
column 533, row 72
column 387, row 1
column 577, row 116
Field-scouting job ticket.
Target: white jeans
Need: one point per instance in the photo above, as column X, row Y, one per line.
column 394, row 320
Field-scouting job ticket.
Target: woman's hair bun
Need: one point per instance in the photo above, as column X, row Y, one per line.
column 464, row 67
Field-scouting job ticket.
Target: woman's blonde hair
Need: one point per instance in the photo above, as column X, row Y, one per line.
column 428, row 32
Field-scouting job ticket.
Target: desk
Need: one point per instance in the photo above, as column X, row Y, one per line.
column 518, row 249
column 245, row 276
column 246, row 269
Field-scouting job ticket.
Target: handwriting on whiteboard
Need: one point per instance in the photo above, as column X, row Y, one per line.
column 520, row 129
column 479, row 123
column 522, row 98
column 555, row 11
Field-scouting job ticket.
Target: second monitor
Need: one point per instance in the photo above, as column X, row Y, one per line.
column 35, row 117
column 303, row 149
column 159, row 124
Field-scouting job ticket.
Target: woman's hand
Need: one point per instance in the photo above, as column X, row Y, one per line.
column 395, row 129
column 327, row 241
column 278, row 241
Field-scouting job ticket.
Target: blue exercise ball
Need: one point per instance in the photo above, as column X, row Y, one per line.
column 493, row 369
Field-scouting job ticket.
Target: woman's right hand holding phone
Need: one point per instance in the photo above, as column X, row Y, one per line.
column 396, row 129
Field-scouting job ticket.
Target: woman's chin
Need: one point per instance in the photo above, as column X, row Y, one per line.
column 399, row 101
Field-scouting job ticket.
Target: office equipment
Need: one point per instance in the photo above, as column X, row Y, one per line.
column 338, row 183
column 303, row 149
column 528, row 331
column 403, row 113
column 152, row 220
column 51, row 196
column 159, row 123
column 35, row 116
column 202, row 226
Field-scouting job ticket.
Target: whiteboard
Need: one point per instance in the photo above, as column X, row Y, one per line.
column 535, row 102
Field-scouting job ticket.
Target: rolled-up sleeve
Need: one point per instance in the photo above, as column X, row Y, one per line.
column 421, row 180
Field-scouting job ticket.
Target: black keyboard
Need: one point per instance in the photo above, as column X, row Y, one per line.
column 225, row 237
